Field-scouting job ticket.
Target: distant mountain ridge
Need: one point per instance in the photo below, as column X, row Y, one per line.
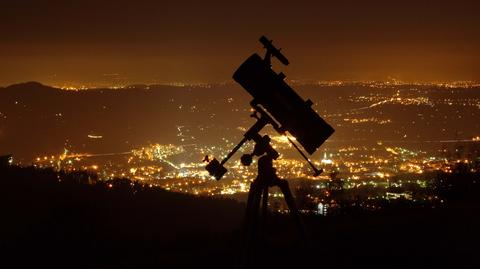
column 38, row 120
column 28, row 86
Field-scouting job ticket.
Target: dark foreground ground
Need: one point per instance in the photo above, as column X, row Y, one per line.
column 55, row 220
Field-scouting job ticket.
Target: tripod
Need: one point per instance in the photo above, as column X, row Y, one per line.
column 286, row 108
column 258, row 194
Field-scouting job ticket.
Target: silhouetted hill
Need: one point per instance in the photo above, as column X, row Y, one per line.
column 39, row 119
column 28, row 86
column 56, row 220
column 59, row 219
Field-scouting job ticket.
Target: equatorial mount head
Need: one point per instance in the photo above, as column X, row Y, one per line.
column 262, row 147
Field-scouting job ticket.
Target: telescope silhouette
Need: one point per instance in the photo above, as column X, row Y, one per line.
column 278, row 105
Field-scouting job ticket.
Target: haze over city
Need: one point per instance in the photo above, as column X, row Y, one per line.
column 111, row 43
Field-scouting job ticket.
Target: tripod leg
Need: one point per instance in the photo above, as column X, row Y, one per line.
column 283, row 184
column 253, row 206
column 264, row 207
column 250, row 202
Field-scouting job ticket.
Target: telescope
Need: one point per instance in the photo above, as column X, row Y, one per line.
column 277, row 104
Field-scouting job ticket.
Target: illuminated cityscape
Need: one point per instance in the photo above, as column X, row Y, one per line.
column 394, row 160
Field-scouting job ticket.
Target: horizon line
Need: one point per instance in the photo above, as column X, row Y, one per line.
column 387, row 82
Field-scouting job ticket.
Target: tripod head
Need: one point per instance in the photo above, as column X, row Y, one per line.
column 262, row 146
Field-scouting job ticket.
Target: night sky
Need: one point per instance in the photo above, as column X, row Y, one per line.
column 125, row 42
